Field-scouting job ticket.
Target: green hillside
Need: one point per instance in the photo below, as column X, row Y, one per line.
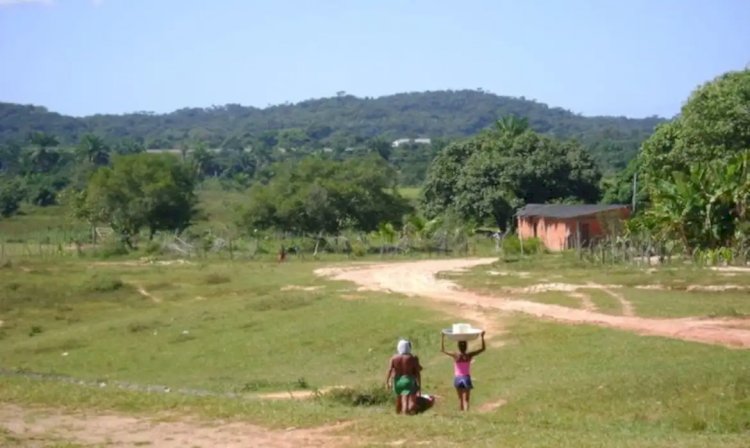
column 337, row 123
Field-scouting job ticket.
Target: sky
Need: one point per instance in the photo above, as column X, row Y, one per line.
column 634, row 58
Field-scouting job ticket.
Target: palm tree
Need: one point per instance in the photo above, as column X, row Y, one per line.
column 39, row 159
column 93, row 149
column 512, row 126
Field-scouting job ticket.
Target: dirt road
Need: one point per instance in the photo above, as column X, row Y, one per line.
column 33, row 427
column 418, row 278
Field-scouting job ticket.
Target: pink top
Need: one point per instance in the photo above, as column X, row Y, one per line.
column 462, row 368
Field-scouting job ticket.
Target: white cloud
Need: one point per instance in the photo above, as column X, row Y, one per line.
column 21, row 2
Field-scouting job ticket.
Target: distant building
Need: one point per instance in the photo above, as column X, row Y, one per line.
column 561, row 226
column 399, row 142
column 406, row 141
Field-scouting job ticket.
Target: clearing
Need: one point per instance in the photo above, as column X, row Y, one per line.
column 258, row 338
column 419, row 279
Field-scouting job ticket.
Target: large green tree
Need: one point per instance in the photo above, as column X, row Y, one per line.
column 713, row 124
column 489, row 176
column 318, row 195
column 696, row 168
column 141, row 190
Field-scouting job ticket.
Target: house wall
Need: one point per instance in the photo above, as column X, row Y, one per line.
column 560, row 234
column 552, row 232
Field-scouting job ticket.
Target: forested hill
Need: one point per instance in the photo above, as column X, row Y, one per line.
column 338, row 121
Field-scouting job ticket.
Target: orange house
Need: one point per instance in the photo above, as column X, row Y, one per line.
column 561, row 226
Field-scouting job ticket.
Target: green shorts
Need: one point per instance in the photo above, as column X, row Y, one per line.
column 405, row 385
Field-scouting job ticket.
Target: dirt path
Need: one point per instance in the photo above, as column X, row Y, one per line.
column 417, row 278
column 627, row 307
column 585, row 299
column 142, row 291
column 38, row 427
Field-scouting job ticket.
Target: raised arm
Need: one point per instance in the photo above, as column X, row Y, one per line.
column 442, row 347
column 476, row 352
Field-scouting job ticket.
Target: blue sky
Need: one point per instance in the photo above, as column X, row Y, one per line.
column 626, row 57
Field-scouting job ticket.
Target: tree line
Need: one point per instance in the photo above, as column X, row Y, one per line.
column 337, row 123
column 692, row 178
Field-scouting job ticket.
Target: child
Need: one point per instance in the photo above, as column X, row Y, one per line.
column 462, row 370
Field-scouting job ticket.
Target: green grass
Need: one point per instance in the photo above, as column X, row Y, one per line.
column 39, row 231
column 228, row 327
column 233, row 323
column 684, row 304
column 674, row 300
column 604, row 302
column 562, row 388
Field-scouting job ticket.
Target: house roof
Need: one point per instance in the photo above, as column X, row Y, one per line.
column 562, row 211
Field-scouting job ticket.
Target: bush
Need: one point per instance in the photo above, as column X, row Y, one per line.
column 103, row 284
column 512, row 246
column 152, row 248
column 112, row 249
column 374, row 395
column 359, row 249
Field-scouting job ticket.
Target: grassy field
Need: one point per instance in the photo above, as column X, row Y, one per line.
column 668, row 291
column 248, row 328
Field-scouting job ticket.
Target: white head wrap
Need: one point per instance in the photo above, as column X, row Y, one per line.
column 403, row 347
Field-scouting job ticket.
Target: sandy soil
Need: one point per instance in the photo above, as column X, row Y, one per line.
column 418, row 278
column 38, row 427
column 142, row 291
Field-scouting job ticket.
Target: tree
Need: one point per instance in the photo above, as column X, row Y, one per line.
column 38, row 158
column 204, row 160
column 618, row 189
column 695, row 168
column 317, row 195
column 512, row 126
column 489, row 176
column 155, row 191
column 10, row 158
column 93, row 150
column 128, row 146
column 380, row 147
column 714, row 124
column 706, row 208
column 11, row 195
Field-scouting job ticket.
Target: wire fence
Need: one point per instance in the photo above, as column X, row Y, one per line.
column 104, row 243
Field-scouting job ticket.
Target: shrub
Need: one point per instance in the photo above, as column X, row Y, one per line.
column 374, row 395
column 359, row 249
column 512, row 245
column 103, row 284
column 152, row 248
column 112, row 249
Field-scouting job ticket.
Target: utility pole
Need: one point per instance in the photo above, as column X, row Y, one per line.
column 635, row 190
